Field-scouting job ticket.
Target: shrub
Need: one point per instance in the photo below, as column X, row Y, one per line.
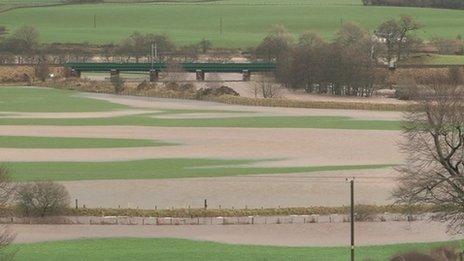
column 456, row 76
column 179, row 87
column 437, row 254
column 413, row 256
column 223, row 90
column 42, row 70
column 445, row 253
column 365, row 213
column 118, row 84
column 40, row 199
column 406, row 88
column 145, row 86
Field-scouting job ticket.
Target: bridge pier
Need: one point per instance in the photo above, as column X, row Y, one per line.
column 75, row 73
column 246, row 75
column 154, row 75
column 200, row 75
column 114, row 73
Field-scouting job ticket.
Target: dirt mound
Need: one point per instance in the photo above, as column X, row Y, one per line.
column 223, row 90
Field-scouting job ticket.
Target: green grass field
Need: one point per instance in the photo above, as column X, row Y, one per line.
column 181, row 249
column 245, row 23
column 437, row 59
column 155, row 169
column 15, row 99
column 73, row 143
column 319, row 122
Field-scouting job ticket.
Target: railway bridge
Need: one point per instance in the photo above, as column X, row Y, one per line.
column 200, row 69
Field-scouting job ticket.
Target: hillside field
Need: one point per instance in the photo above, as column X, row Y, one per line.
column 244, row 23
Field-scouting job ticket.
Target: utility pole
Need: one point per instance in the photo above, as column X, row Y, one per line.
column 156, row 52
column 152, row 55
column 352, row 217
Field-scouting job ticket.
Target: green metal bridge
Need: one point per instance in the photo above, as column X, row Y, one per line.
column 199, row 68
column 188, row 67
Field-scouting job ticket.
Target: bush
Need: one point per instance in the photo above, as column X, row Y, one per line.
column 456, row 76
column 437, row 254
column 143, row 86
column 118, row 84
column 40, row 199
column 407, row 88
column 177, row 87
column 223, row 90
column 42, row 70
column 365, row 213
column 413, row 256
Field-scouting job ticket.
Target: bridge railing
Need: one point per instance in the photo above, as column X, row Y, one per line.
column 188, row 67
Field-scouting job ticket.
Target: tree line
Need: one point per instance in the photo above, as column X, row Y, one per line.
column 345, row 66
column 24, row 46
column 448, row 4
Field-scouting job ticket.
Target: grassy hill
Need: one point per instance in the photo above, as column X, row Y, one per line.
column 245, row 22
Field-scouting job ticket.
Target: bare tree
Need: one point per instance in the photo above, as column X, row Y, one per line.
column 23, row 42
column 266, row 87
column 42, row 198
column 6, row 235
column 255, row 89
column 434, row 171
column 407, row 24
column 118, row 83
column 205, row 45
column 397, row 35
column 275, row 45
column 174, row 72
column 42, row 70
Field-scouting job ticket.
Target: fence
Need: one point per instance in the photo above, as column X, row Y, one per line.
column 248, row 220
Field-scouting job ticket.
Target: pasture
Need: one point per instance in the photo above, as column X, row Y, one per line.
column 156, row 169
column 73, row 143
column 49, row 100
column 244, row 23
column 325, row 122
column 181, row 249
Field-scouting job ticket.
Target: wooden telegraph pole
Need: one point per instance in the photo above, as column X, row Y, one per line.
column 352, row 217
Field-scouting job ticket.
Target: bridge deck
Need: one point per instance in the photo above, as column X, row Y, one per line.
column 188, row 67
